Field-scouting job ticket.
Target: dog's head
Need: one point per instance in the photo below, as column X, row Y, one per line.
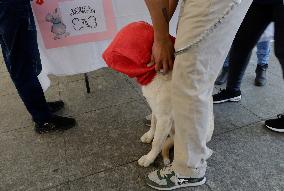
column 131, row 50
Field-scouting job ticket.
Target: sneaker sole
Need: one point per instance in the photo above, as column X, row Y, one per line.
column 181, row 186
column 259, row 84
column 234, row 99
column 276, row 130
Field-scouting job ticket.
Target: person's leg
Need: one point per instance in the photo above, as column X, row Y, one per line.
column 277, row 124
column 193, row 80
column 202, row 45
column 278, row 18
column 222, row 78
column 226, row 63
column 263, row 55
column 19, row 46
column 255, row 22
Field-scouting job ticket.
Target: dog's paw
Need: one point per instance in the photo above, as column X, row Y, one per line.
column 167, row 162
column 147, row 138
column 145, row 161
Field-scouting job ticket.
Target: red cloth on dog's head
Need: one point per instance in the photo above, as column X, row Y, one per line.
column 131, row 50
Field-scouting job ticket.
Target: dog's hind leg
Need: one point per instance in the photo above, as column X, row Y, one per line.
column 163, row 128
column 169, row 143
column 148, row 136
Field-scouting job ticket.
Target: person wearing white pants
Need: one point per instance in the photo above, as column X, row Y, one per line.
column 205, row 33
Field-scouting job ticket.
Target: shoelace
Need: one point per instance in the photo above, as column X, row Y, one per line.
column 166, row 170
column 221, row 92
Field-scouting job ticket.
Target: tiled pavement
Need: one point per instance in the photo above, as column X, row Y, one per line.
column 101, row 152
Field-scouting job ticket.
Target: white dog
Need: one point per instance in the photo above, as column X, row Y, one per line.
column 158, row 96
column 130, row 53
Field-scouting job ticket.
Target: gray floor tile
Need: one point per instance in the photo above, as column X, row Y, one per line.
column 233, row 113
column 107, row 72
column 52, row 93
column 103, row 72
column 274, row 66
column 222, row 126
column 106, row 138
column 247, row 159
column 30, row 161
column 63, row 187
column 2, row 65
column 13, row 113
column 105, row 92
column 66, row 79
column 264, row 101
column 6, row 85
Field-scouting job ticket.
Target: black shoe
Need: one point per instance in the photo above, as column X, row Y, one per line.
column 222, row 78
column 56, row 123
column 55, row 106
column 260, row 78
column 276, row 124
column 227, row 96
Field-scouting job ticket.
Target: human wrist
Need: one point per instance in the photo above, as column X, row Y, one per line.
column 162, row 37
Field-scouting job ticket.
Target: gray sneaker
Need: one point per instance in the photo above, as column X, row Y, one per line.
column 167, row 179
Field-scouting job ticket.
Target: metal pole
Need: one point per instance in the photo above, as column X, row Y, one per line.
column 87, row 83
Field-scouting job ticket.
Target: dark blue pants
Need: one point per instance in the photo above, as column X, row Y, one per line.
column 20, row 50
column 258, row 17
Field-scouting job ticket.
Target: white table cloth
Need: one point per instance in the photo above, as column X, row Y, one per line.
column 86, row 57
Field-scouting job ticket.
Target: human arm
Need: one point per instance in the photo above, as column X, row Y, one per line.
column 161, row 12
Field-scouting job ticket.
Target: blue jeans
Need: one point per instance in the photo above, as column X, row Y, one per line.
column 263, row 54
column 20, row 50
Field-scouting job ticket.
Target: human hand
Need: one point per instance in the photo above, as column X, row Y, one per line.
column 163, row 55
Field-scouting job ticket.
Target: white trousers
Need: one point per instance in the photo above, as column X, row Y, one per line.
column 205, row 33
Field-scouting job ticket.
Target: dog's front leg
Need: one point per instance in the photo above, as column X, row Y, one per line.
column 149, row 135
column 163, row 128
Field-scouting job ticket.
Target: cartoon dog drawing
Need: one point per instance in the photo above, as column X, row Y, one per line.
column 58, row 28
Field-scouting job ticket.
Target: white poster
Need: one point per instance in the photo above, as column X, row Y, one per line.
column 83, row 16
column 75, row 54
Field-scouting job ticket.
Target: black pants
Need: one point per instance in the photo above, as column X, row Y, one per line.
column 20, row 50
column 258, row 17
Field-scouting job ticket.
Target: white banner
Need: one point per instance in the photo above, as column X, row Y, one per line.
column 86, row 57
column 83, row 16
